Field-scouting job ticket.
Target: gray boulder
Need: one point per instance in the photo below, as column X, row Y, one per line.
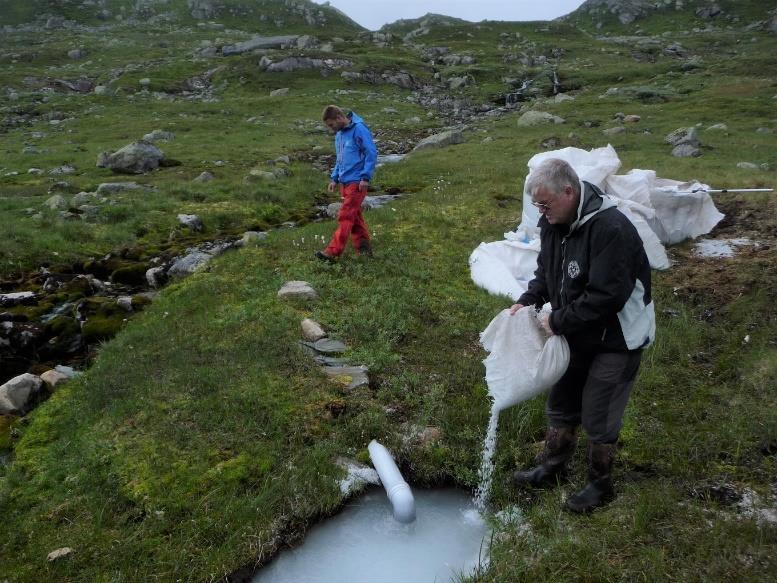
column 686, row 151
column 17, row 394
column 159, row 136
column 534, row 118
column 204, row 177
column 135, row 158
column 279, row 92
column 291, row 64
column 56, row 202
column 189, row 264
column 441, row 140
column 117, row 187
column 312, row 330
column 193, row 222
column 16, row 298
column 252, row 237
column 156, row 277
column 683, row 136
column 297, row 290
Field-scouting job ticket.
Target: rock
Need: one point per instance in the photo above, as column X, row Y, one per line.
column 763, row 131
column 290, row 64
column 59, row 554
column 562, row 97
column 358, row 475
column 68, row 371
column 533, row 118
column 631, row 118
column 83, row 198
column 193, row 222
column 709, row 12
column 35, row 171
column 307, row 42
column 76, row 54
column 125, row 303
column 333, row 209
column 280, row 92
column 748, row 166
column 253, row 237
column 614, row 131
column 56, row 202
column 135, row 158
column 204, row 177
column 683, row 136
column 351, row 377
column 117, row 187
column 189, row 264
column 159, row 136
column 144, row 82
column 259, row 42
column 62, row 170
column 17, row 394
column 156, row 277
column 686, row 151
column 297, row 290
column 17, row 298
column 440, row 140
column 53, row 378
column 459, row 82
column 312, row 331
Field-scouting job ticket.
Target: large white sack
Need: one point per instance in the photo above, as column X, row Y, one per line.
column 654, row 250
column 592, row 166
column 680, row 213
column 505, row 267
column 523, row 361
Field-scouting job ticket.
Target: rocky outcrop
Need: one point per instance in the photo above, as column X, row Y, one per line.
column 17, row 394
column 260, row 42
column 440, row 140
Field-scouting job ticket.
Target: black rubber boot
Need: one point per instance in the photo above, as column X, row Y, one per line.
column 559, row 446
column 598, row 491
column 365, row 249
column 321, row 255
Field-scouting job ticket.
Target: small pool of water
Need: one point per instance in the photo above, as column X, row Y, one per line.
column 364, row 543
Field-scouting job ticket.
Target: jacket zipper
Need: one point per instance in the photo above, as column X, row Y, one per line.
column 563, row 270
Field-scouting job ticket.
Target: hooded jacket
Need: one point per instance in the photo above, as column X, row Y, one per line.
column 596, row 276
column 356, row 152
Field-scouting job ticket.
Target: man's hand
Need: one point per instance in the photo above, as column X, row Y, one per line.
column 331, row 186
column 363, row 185
column 514, row 308
column 545, row 323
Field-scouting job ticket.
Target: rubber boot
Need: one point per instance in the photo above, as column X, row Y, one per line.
column 559, row 446
column 365, row 248
column 598, row 491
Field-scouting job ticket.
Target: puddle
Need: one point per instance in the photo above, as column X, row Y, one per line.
column 719, row 247
column 364, row 543
column 389, row 159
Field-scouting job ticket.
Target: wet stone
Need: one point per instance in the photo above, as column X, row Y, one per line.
column 297, row 289
column 328, row 346
column 17, row 298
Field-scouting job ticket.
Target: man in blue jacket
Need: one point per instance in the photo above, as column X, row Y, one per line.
column 353, row 170
column 593, row 270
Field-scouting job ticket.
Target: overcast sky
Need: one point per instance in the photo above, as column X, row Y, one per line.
column 373, row 14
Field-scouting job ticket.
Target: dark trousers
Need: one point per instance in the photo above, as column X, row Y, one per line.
column 594, row 391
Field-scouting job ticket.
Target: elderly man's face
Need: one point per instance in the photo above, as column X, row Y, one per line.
column 558, row 208
column 336, row 123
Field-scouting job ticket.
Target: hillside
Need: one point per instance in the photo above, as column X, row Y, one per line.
column 202, row 438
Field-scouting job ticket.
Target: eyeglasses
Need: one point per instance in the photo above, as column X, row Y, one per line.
column 543, row 206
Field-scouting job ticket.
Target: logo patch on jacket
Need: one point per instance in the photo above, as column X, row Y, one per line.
column 573, row 269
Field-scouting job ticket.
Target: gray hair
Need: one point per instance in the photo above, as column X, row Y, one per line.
column 555, row 175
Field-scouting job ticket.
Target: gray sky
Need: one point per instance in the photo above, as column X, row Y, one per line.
column 373, row 14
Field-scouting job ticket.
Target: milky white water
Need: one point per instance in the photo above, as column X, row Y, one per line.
column 486, row 471
column 364, row 543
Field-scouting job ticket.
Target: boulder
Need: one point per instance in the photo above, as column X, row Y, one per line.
column 686, row 151
column 279, row 92
column 253, row 237
column 312, row 330
column 683, row 136
column 56, row 202
column 156, row 277
column 16, row 395
column 117, row 187
column 193, row 222
column 17, row 298
column 76, row 54
column 135, row 158
column 297, row 290
column 204, row 177
column 747, row 166
column 533, row 118
column 59, row 554
column 189, row 264
column 614, row 131
column 440, row 140
column 159, row 136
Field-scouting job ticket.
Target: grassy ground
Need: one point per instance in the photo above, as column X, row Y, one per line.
column 203, row 439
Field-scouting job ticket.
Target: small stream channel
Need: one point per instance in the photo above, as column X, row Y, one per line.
column 364, row 542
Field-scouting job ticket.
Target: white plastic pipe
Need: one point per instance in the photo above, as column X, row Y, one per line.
column 398, row 491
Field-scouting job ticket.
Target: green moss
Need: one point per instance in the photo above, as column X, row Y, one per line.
column 6, row 422
column 130, row 275
column 101, row 327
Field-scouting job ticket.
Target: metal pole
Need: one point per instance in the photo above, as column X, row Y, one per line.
column 719, row 190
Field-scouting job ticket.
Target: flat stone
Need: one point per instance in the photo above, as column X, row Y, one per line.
column 117, row 187
column 297, row 289
column 748, row 166
column 686, row 151
column 533, row 118
column 16, row 298
column 204, row 177
column 312, row 330
column 327, row 346
column 614, row 131
column 125, row 303
column 327, row 360
column 683, row 136
column 279, row 92
column 187, row 265
column 352, row 377
column 441, row 140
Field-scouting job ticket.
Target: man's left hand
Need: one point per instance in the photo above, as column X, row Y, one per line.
column 363, row 185
column 545, row 323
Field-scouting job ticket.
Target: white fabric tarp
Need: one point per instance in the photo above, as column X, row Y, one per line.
column 663, row 211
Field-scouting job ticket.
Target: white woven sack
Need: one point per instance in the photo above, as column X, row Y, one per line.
column 523, row 361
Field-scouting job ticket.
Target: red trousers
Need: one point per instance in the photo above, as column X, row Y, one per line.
column 350, row 222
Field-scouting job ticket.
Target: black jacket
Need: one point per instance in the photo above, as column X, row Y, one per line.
column 596, row 276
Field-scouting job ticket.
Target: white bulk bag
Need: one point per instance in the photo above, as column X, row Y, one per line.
column 523, row 360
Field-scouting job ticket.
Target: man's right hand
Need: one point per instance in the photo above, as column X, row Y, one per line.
column 514, row 308
column 331, row 186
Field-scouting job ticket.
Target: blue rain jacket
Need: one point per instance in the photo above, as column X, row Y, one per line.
column 356, row 152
